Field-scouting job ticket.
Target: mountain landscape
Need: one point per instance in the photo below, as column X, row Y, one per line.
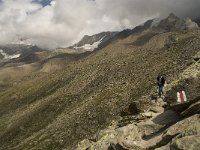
column 92, row 42
column 101, row 93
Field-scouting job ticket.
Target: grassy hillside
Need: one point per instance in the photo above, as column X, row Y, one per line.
column 16, row 70
column 56, row 110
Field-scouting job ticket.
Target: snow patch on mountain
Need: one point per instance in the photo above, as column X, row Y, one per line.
column 91, row 47
column 6, row 56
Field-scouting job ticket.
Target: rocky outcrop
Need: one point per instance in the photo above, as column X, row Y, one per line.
column 177, row 135
column 174, row 23
column 152, row 127
column 182, row 135
column 163, row 131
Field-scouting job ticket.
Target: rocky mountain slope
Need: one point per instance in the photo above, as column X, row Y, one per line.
column 98, row 41
column 171, row 23
column 58, row 109
column 33, row 62
column 156, row 123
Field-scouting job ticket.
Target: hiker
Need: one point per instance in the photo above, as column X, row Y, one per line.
column 161, row 83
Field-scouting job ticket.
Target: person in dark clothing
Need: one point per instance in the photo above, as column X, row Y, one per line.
column 161, row 83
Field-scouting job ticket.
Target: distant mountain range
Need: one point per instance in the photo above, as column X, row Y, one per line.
column 171, row 23
column 24, row 51
column 18, row 53
column 100, row 40
column 11, row 49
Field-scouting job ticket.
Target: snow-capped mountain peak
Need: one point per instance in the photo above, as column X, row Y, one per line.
column 89, row 43
column 90, row 47
column 7, row 56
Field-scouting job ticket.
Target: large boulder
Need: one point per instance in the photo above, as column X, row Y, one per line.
column 188, row 139
column 187, row 143
column 181, row 126
column 175, row 136
column 132, row 109
column 113, row 138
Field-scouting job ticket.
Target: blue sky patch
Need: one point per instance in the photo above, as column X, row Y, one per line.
column 43, row 2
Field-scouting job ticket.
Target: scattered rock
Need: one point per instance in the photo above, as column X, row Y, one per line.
column 117, row 146
column 154, row 96
column 187, row 143
column 83, row 145
column 147, row 114
column 148, row 129
column 166, row 147
column 157, row 109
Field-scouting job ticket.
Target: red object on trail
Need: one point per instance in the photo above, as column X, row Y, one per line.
column 181, row 97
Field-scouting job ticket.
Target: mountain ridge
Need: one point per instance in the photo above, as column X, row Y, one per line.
column 171, row 23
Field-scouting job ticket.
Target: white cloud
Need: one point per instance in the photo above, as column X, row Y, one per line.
column 65, row 21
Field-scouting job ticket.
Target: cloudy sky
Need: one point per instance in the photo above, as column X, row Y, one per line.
column 59, row 23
